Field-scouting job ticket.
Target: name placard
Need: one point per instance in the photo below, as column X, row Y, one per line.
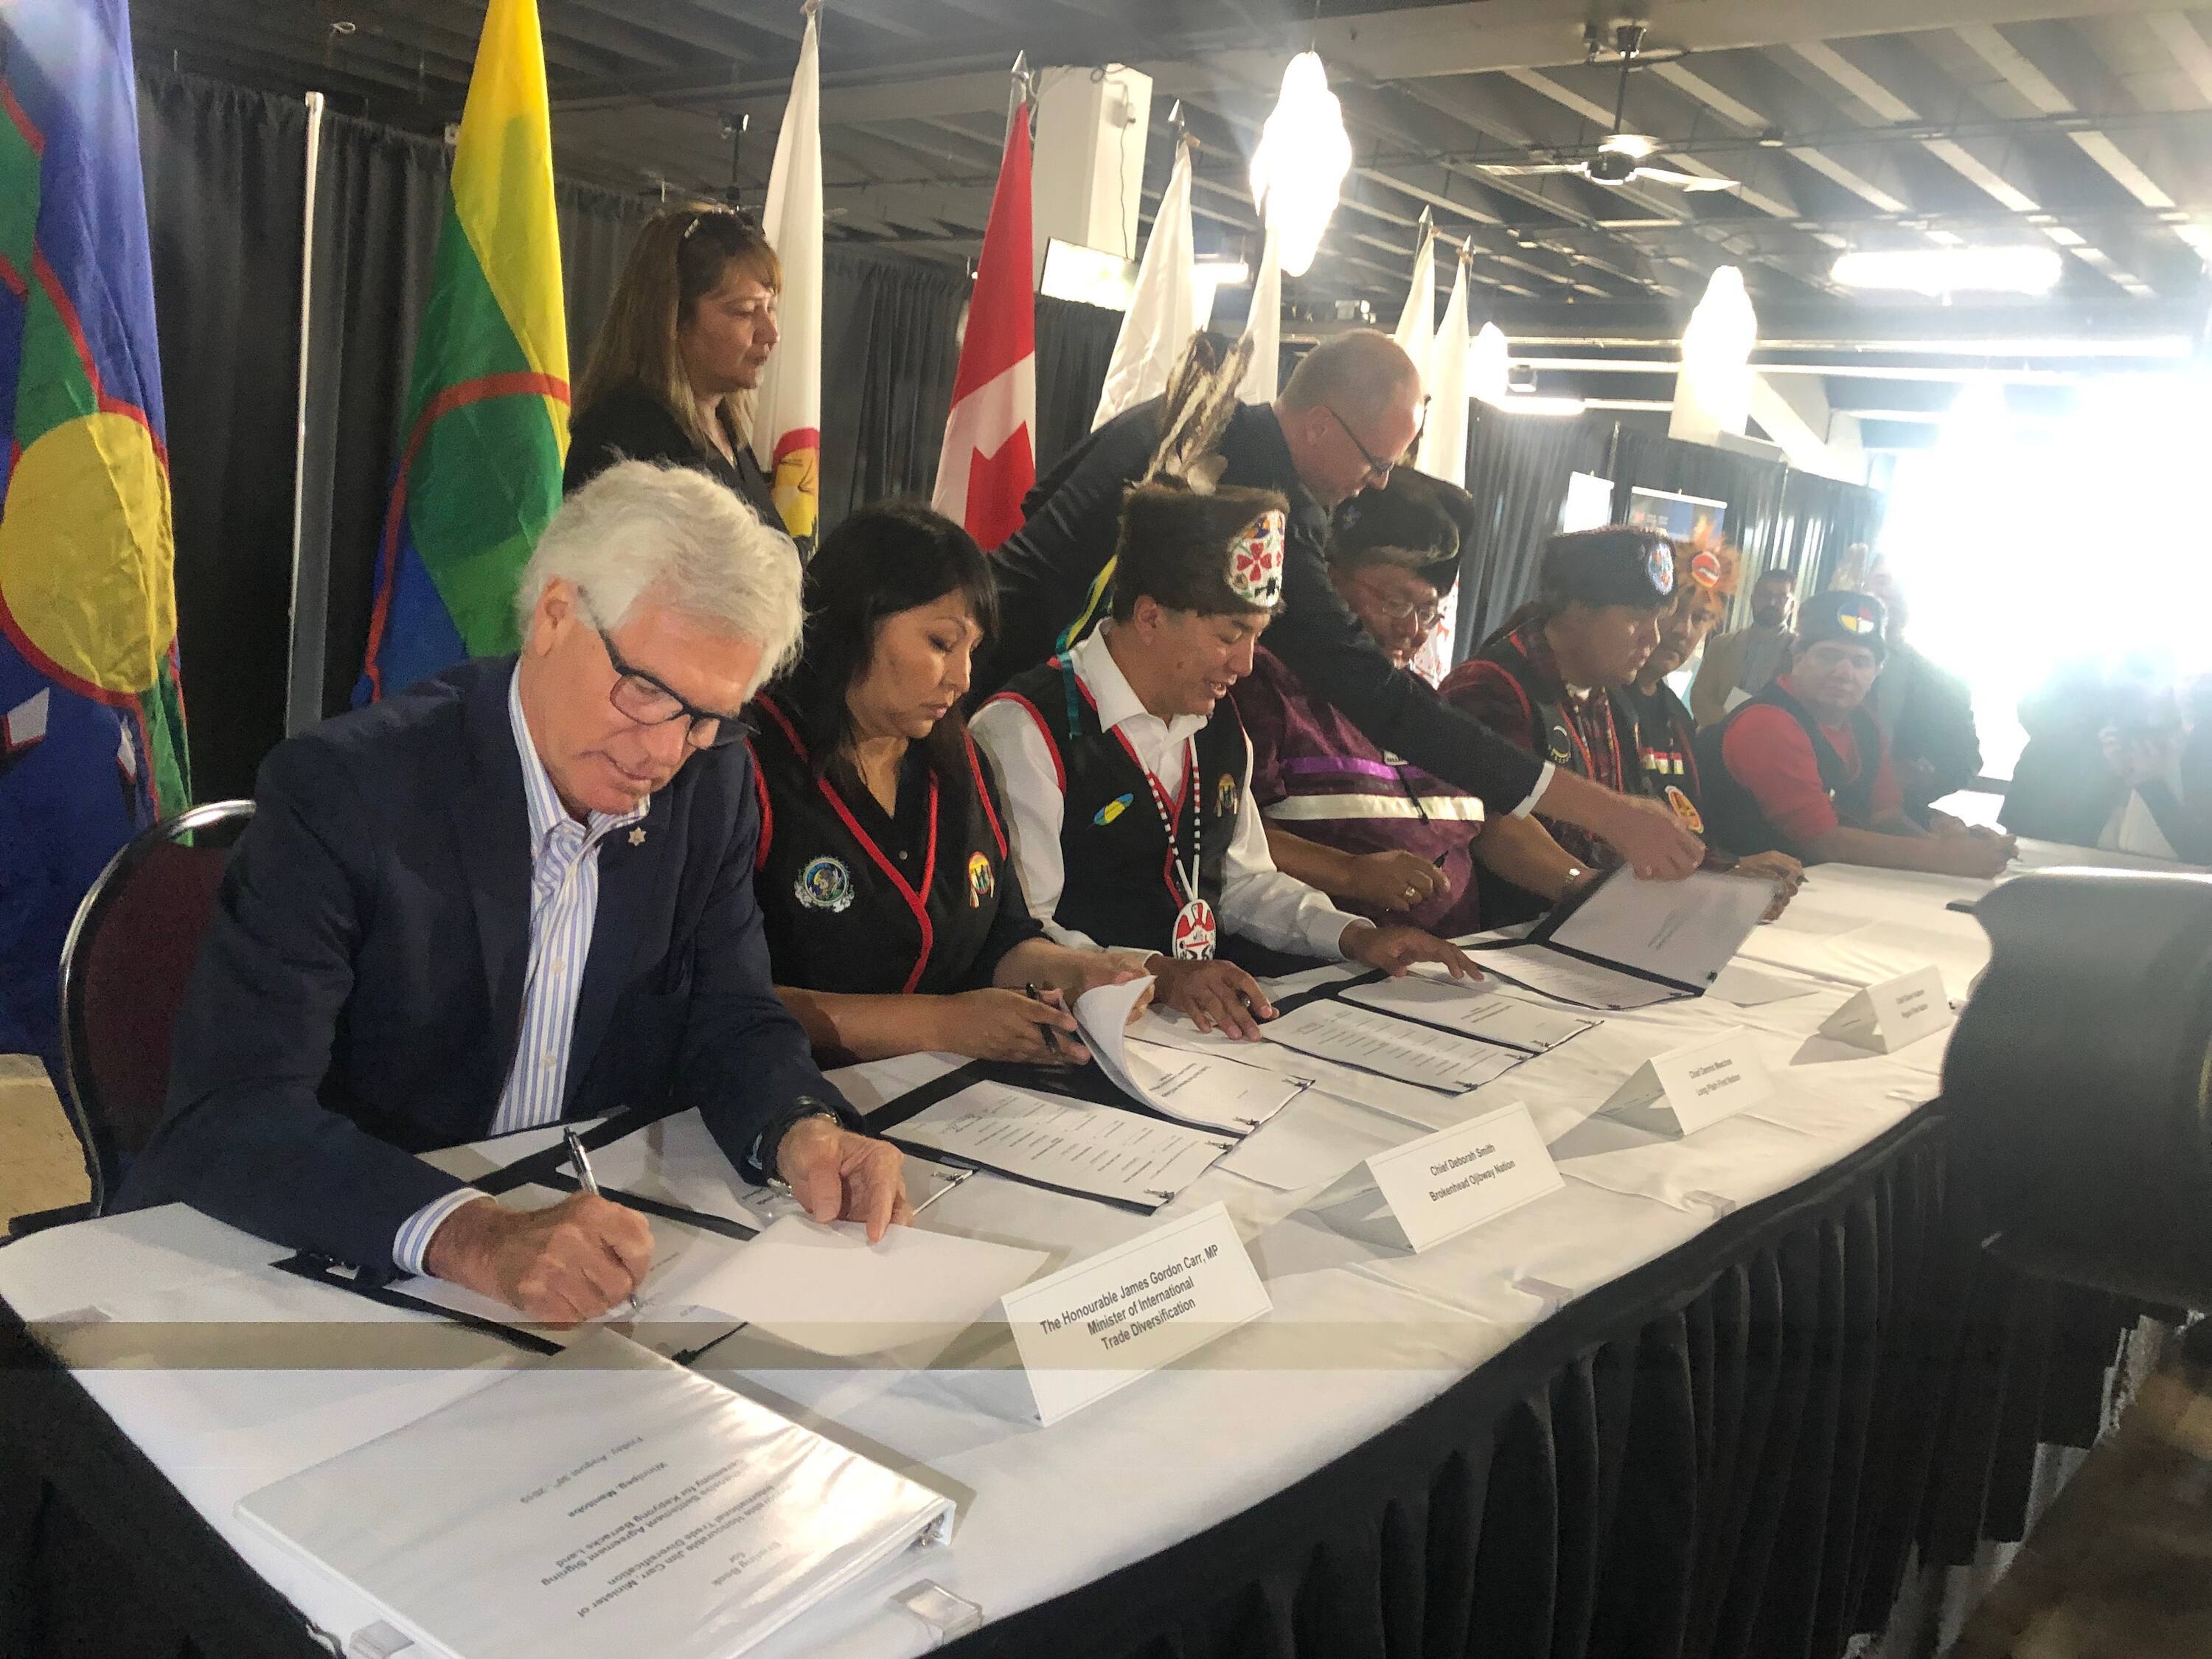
column 1689, row 1089
column 1442, row 1185
column 1116, row 1316
column 1888, row 1015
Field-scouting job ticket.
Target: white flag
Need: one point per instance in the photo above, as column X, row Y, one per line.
column 1264, row 324
column 787, row 409
column 1443, row 452
column 1417, row 322
column 1444, row 439
column 1157, row 325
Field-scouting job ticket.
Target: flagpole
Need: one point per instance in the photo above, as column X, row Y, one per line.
column 309, row 619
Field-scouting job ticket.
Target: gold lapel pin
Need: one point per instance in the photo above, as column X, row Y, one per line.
column 637, row 836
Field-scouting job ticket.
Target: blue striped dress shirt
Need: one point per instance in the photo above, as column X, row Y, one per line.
column 564, row 904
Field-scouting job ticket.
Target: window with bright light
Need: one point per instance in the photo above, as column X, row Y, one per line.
column 2027, row 543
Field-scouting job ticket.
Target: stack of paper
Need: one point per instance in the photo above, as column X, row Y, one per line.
column 1208, row 1092
column 1472, row 1010
column 1391, row 1048
column 1094, row 1151
column 604, row 1502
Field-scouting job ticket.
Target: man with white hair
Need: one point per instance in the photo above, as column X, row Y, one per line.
column 519, row 892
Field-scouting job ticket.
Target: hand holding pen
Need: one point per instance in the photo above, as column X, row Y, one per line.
column 581, row 1161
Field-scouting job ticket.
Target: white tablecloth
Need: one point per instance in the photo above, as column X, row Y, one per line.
column 1360, row 1336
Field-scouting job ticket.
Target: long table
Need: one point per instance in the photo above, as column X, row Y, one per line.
column 1706, row 1399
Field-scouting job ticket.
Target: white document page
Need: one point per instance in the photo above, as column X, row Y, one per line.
column 676, row 1159
column 1472, row 1010
column 1685, row 930
column 1565, row 978
column 827, row 1289
column 1206, row 1091
column 603, row 1502
column 1094, row 1151
column 1392, row 1048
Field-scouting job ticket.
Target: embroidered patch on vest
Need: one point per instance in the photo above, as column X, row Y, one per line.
column 824, row 885
column 1225, row 795
column 1112, row 809
column 1562, row 744
column 1255, row 564
column 982, row 884
column 1685, row 810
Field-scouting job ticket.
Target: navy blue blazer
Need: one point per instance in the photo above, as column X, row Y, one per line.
column 359, row 996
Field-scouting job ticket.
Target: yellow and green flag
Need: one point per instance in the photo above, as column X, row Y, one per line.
column 487, row 426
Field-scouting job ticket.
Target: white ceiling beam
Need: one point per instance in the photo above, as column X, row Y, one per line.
column 1998, row 184
column 2191, row 56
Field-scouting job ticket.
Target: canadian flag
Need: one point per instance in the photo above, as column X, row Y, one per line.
column 989, row 459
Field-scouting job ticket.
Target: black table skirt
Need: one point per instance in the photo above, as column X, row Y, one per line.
column 1729, row 1453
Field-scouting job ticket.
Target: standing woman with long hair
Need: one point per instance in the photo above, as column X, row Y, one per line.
column 893, row 913
column 680, row 353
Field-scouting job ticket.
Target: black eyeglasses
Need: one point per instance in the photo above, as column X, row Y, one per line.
column 1378, row 472
column 640, row 696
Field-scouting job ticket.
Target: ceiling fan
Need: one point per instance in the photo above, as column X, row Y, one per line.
column 1621, row 158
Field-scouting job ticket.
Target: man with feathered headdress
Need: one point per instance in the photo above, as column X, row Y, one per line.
column 1127, row 775
column 1706, row 571
column 1346, row 416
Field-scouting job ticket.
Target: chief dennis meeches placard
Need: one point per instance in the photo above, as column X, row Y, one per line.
column 1104, row 1322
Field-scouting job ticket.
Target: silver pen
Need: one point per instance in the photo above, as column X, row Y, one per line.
column 960, row 1173
column 590, row 1182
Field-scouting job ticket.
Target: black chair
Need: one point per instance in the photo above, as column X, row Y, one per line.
column 124, row 966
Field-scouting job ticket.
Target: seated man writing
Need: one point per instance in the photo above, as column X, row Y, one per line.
column 1544, row 679
column 1127, row 776
column 519, row 892
column 1803, row 767
column 1377, row 834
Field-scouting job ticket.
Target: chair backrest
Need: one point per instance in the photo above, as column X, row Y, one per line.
column 122, row 971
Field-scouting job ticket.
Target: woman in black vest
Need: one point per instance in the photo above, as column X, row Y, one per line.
column 895, row 918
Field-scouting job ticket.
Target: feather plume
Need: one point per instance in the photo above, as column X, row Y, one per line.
column 1200, row 400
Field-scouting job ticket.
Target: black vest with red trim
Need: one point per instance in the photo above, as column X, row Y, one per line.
column 1666, row 739
column 1591, row 745
column 1733, row 817
column 1120, row 884
column 842, row 914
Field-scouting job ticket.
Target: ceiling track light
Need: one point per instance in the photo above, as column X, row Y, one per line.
column 1938, row 272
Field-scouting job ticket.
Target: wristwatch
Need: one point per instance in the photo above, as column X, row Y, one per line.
column 759, row 1164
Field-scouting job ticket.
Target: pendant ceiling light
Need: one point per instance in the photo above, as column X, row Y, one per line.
column 1299, row 170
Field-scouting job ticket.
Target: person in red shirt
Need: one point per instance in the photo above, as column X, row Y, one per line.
column 1801, row 767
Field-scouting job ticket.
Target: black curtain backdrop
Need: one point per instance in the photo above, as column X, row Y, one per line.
column 1517, row 469
column 1075, row 343
column 890, row 347
column 225, row 190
